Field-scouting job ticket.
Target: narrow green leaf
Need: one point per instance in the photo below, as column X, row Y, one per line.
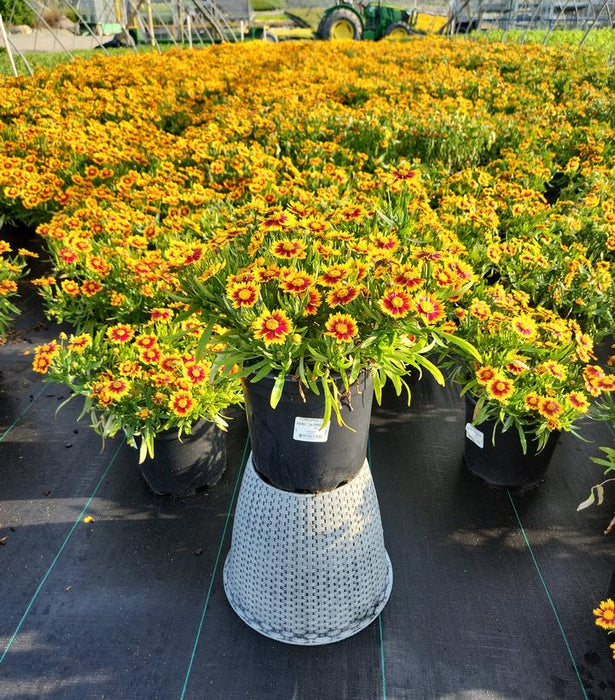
column 278, row 388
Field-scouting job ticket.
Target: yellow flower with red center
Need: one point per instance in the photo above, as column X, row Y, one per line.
column 500, row 389
column 161, row 314
column 342, row 327
column 129, row 368
column 99, row 265
column 554, row 369
column 71, row 288
column 78, row 343
column 532, row 401
column 181, row 403
column 577, row 400
column 480, row 309
column 117, row 388
column 409, row 277
column 516, row 364
column 120, row 333
column 146, row 341
column 549, row 407
column 525, row 326
column 485, row 374
column 41, row 363
column 428, row 308
column 150, row 356
column 606, row 383
column 243, row 294
column 396, row 303
column 342, row 294
column 68, row 256
column 289, row 248
column 314, row 299
column 91, row 287
column 7, row 287
column 385, row 243
column 272, row 327
column 605, row 614
column 295, row 282
column 196, row 372
column 334, row 274
column 117, row 298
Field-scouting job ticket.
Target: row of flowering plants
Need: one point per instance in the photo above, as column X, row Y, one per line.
column 140, row 380
column 412, row 170
column 12, row 268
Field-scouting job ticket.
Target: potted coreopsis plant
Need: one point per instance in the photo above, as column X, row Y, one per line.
column 534, row 381
column 147, row 383
column 11, row 270
column 319, row 311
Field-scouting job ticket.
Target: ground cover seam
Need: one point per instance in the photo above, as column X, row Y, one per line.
column 57, row 556
column 23, row 413
column 549, row 597
column 380, row 631
column 212, row 578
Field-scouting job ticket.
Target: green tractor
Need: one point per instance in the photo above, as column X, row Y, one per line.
column 372, row 21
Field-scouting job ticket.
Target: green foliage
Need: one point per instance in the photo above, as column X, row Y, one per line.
column 16, row 12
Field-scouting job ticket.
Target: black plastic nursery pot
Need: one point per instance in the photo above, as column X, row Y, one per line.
column 183, row 467
column 501, row 462
column 291, row 451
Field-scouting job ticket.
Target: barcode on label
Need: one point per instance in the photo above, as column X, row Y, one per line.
column 475, row 435
column 309, row 430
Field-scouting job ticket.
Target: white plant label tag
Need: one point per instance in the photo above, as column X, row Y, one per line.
column 475, row 435
column 309, row 430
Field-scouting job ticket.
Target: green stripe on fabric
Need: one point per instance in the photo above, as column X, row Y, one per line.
column 212, row 578
column 22, row 414
column 549, row 597
column 57, row 556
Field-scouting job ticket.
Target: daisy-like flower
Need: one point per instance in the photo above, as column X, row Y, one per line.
column 334, row 274
column 181, row 403
column 605, row 614
column 549, row 408
column 577, row 400
column 388, row 243
column 396, row 303
column 288, row 248
column 161, row 314
column 532, row 401
column 342, row 327
column 480, row 309
column 196, row 372
column 243, row 294
column 295, row 282
column 146, row 341
column 78, row 343
column 408, row 276
column 91, row 287
column 342, row 294
column 272, row 327
column 500, row 388
column 120, row 333
column 428, row 308
column 41, row 363
column 485, row 374
column 71, row 288
column 525, row 326
column 150, row 356
column 554, row 369
column 314, row 299
column 117, row 388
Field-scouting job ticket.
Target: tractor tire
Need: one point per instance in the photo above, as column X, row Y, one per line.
column 340, row 24
column 398, row 30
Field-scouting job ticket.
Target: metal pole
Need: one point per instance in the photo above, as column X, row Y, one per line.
column 7, row 46
column 189, row 29
column 150, row 23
